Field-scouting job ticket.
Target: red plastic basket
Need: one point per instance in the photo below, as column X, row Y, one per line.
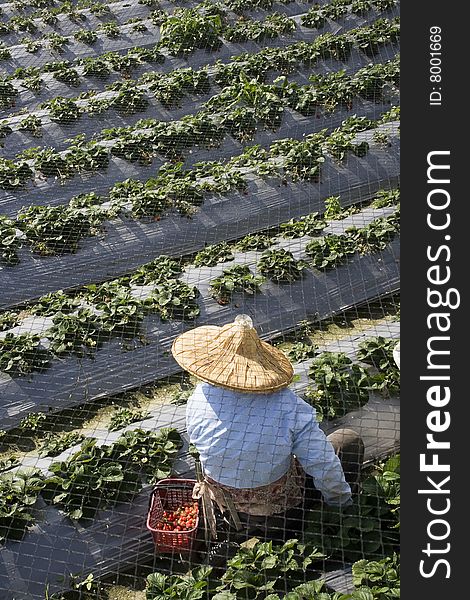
column 170, row 494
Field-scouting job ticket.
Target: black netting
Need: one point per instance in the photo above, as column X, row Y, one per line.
column 171, row 165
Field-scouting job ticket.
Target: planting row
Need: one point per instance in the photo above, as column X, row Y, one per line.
column 33, row 18
column 368, row 39
column 164, row 32
column 93, row 478
column 374, row 82
column 80, row 323
column 45, row 28
column 58, row 230
column 262, row 570
column 130, row 242
column 239, row 111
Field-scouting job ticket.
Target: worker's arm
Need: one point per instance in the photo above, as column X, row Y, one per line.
column 317, row 456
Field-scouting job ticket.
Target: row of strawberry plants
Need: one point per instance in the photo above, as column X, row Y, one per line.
column 365, row 534
column 31, row 23
column 82, row 321
column 260, row 570
column 263, row 570
column 280, row 266
column 240, row 110
column 58, row 230
column 94, row 477
column 181, row 32
column 256, row 65
column 375, row 83
column 55, row 43
column 375, row 353
column 368, row 39
column 335, row 10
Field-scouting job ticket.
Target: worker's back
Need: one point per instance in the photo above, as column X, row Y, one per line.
column 245, row 439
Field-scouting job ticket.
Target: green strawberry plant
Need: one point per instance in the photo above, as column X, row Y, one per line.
column 54, row 444
column 330, row 250
column 340, row 385
column 264, row 568
column 8, row 463
column 111, row 29
column 13, row 175
column 48, row 162
column 169, row 88
column 366, row 529
column 157, row 271
column 212, row 255
column 378, row 352
column 54, row 230
column 88, row 157
column 339, row 144
column 95, row 67
column 33, row 422
column 382, row 577
column 56, row 42
column 8, row 319
column 22, row 354
column 190, row 586
column 148, row 453
column 125, row 416
column 76, row 333
column 174, row 299
column 186, row 30
column 31, row 46
column 59, row 301
column 273, row 26
column 5, row 131
column 301, row 351
column 334, row 210
column 384, row 198
column 89, row 480
column 375, row 236
column 29, row 77
column 10, row 243
column 309, row 225
column 5, row 53
column 236, row 279
column 63, row 72
column 371, row 38
column 19, row 493
column 32, row 125
column 129, row 100
column 63, row 110
column 86, row 36
column 120, row 313
column 254, row 242
column 280, row 265
column 8, row 94
column 300, row 159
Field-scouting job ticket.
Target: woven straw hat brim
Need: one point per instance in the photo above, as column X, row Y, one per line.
column 234, row 358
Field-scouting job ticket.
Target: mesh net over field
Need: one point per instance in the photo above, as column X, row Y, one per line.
column 172, row 165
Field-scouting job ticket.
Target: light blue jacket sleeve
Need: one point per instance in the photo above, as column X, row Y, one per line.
column 317, row 456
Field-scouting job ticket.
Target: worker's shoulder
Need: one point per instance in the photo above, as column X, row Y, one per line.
column 287, row 397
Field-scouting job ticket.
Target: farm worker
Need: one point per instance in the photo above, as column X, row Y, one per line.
column 256, row 438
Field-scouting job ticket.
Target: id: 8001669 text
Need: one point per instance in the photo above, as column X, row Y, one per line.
column 435, row 65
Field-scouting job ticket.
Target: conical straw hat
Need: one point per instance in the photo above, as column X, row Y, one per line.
column 233, row 357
